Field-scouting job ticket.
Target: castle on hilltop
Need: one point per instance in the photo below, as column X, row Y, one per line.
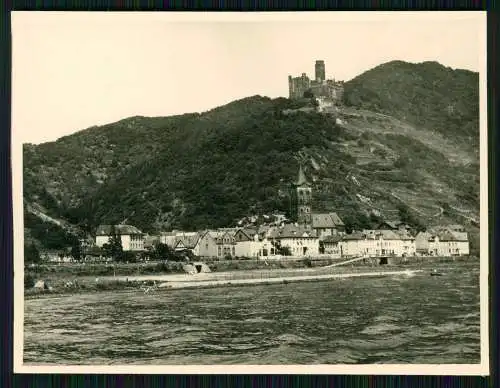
column 320, row 87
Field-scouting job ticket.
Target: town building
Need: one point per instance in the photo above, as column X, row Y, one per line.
column 357, row 244
column 187, row 242
column 226, row 243
column 382, row 242
column 207, row 246
column 449, row 243
column 446, row 240
column 318, row 87
column 422, row 243
column 392, row 242
column 327, row 224
column 301, row 240
column 331, row 246
column 132, row 239
column 406, row 246
column 181, row 241
column 248, row 243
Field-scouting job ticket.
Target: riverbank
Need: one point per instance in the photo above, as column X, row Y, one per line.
column 68, row 279
column 165, row 268
column 210, row 280
column 280, row 279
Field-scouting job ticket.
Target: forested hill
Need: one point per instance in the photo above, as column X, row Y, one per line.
column 428, row 95
column 205, row 170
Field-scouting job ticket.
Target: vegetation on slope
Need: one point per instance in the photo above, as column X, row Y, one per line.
column 208, row 170
column 235, row 170
column 428, row 95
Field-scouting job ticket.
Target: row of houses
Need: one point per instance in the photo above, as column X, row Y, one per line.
column 263, row 241
column 444, row 242
column 328, row 237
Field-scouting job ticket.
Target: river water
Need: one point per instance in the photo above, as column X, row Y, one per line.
column 420, row 319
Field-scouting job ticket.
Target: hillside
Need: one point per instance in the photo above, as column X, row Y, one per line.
column 208, row 170
column 427, row 95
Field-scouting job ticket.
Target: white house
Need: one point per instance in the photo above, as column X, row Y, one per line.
column 449, row 243
column 132, row 238
column 394, row 243
column 406, row 245
column 301, row 241
column 207, row 246
column 358, row 244
column 248, row 243
column 226, row 243
column 449, row 240
column 378, row 243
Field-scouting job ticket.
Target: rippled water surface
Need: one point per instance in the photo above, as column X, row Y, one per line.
column 419, row 319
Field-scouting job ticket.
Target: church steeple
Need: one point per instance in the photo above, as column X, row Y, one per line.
column 303, row 198
column 302, row 180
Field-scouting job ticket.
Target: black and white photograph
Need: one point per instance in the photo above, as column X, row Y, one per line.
column 300, row 192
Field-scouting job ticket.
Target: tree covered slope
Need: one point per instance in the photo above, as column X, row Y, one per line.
column 207, row 170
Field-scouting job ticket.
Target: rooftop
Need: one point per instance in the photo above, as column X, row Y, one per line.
column 326, row 220
column 293, row 231
column 105, row 230
column 189, row 241
column 332, row 239
column 452, row 236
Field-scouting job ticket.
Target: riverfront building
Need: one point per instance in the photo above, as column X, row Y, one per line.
column 371, row 243
column 132, row 238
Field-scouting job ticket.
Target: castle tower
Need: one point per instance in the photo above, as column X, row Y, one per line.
column 291, row 88
column 319, row 68
column 303, row 192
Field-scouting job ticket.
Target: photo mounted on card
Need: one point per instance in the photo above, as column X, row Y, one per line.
column 250, row 192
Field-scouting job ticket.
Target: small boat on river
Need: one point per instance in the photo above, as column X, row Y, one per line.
column 436, row 273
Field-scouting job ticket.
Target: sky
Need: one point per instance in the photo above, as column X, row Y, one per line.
column 75, row 70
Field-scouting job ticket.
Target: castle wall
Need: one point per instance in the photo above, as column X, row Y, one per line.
column 297, row 86
column 319, row 87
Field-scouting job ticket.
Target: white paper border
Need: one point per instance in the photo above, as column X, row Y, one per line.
column 375, row 369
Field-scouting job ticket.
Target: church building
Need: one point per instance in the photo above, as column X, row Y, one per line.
column 323, row 224
column 303, row 199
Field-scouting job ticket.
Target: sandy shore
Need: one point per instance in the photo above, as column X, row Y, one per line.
column 244, row 274
column 201, row 283
column 256, row 274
